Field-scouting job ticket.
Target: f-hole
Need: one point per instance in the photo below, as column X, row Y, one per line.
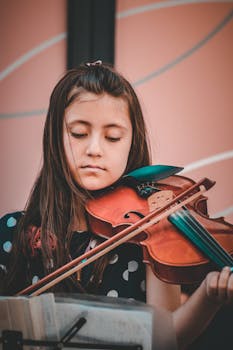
column 127, row 215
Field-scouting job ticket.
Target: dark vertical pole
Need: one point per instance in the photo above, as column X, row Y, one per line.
column 91, row 31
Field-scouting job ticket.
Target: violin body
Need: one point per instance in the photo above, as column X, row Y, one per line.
column 173, row 258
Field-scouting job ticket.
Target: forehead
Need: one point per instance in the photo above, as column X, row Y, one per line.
column 88, row 104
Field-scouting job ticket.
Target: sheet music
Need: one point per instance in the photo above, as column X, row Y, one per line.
column 35, row 317
column 108, row 320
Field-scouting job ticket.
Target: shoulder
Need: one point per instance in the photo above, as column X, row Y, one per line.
column 11, row 218
column 9, row 221
column 8, row 224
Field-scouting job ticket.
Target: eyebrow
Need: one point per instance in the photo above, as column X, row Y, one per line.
column 84, row 122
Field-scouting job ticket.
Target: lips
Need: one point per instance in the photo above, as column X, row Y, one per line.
column 92, row 166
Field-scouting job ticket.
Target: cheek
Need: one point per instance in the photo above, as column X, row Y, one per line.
column 122, row 159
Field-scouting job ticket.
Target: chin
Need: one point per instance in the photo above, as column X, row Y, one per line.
column 94, row 187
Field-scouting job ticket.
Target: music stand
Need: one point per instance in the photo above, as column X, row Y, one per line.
column 13, row 340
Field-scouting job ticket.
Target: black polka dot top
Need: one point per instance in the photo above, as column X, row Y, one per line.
column 124, row 275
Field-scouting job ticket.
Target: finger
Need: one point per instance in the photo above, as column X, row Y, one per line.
column 223, row 283
column 230, row 287
column 212, row 284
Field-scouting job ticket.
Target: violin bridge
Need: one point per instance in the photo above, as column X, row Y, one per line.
column 159, row 199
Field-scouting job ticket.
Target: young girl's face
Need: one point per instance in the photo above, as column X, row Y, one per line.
column 97, row 139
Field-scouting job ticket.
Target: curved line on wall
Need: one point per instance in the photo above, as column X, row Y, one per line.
column 188, row 53
column 28, row 55
column 23, row 114
column 206, row 161
column 210, row 160
column 224, row 212
column 163, row 4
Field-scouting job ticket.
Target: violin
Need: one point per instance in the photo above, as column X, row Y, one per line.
column 168, row 246
column 167, row 215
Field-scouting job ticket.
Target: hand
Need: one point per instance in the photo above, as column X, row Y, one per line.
column 219, row 285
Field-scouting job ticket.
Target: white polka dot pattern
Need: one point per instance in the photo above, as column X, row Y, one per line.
column 35, row 279
column 143, row 286
column 3, row 267
column 125, row 275
column 114, row 259
column 112, row 293
column 93, row 243
column 132, row 266
column 11, row 222
column 7, row 246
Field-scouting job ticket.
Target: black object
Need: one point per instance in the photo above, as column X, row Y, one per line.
column 91, row 31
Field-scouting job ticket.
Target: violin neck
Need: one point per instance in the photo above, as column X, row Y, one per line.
column 200, row 237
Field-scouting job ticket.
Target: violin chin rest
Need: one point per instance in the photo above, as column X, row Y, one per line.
column 153, row 172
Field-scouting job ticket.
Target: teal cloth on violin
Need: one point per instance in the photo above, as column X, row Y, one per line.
column 153, row 172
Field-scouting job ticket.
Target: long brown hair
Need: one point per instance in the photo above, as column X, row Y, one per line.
column 53, row 200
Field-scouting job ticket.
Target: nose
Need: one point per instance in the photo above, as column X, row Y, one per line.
column 94, row 146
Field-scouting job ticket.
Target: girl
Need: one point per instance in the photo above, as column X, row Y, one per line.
column 95, row 133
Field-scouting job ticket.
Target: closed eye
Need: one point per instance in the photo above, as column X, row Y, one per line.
column 78, row 135
column 113, row 139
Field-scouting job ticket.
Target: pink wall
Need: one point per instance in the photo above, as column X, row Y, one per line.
column 180, row 59
column 33, row 43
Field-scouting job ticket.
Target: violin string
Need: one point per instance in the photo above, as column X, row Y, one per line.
column 211, row 240
column 194, row 237
column 213, row 246
column 206, row 241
